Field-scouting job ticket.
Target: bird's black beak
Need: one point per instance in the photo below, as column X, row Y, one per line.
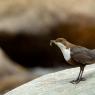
column 51, row 42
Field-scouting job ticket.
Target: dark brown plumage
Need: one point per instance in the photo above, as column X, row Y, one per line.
column 75, row 55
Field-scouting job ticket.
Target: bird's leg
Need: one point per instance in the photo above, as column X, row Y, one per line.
column 79, row 76
column 81, row 73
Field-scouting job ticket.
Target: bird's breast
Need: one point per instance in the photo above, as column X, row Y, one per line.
column 67, row 54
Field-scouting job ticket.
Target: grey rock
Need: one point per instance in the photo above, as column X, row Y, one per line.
column 59, row 84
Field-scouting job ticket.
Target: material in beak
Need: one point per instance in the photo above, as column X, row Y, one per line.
column 51, row 42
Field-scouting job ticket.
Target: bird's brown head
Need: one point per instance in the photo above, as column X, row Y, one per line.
column 62, row 41
column 59, row 40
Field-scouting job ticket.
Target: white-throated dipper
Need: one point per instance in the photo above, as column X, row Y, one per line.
column 75, row 55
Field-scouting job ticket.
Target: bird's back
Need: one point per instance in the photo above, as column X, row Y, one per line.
column 83, row 55
column 92, row 53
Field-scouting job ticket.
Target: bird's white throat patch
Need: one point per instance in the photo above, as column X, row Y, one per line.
column 66, row 52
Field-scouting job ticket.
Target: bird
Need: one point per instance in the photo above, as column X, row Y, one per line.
column 75, row 55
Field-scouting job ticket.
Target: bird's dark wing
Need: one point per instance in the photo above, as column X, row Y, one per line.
column 81, row 55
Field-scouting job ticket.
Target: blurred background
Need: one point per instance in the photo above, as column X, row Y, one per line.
column 26, row 28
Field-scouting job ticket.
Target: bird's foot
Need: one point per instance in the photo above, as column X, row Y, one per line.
column 77, row 81
column 82, row 79
column 74, row 81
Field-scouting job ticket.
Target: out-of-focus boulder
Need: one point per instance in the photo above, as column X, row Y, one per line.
column 7, row 66
column 27, row 26
column 39, row 16
column 12, row 74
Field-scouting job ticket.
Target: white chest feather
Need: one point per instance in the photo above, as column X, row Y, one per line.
column 65, row 52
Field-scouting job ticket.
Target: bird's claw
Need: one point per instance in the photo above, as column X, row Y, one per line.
column 74, row 81
column 77, row 81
